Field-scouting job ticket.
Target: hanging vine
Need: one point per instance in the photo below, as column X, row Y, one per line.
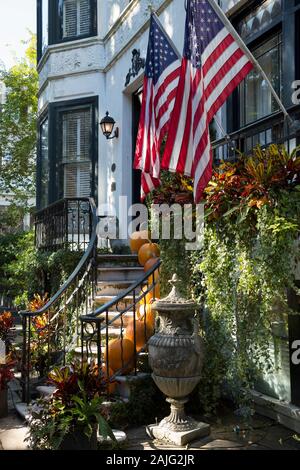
column 245, row 268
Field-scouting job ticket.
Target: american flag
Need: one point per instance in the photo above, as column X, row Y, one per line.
column 162, row 70
column 212, row 66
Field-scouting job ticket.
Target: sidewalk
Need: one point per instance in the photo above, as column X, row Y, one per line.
column 226, row 434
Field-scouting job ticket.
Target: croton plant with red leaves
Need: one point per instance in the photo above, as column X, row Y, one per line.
column 6, row 372
column 252, row 182
column 6, row 324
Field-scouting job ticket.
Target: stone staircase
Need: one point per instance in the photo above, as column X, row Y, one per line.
column 115, row 274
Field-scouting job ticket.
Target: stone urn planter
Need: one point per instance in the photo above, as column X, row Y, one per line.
column 176, row 358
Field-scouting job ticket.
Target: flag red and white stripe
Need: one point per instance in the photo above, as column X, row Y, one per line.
column 213, row 65
column 162, row 70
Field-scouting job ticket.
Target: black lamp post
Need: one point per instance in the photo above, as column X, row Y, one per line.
column 107, row 126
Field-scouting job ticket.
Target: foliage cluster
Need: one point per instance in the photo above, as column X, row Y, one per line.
column 247, row 264
column 18, row 120
column 76, row 405
column 25, row 271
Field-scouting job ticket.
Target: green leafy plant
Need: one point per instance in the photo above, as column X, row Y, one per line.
column 75, row 407
column 247, row 263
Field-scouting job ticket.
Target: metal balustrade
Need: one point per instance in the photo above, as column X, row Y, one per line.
column 52, row 332
column 69, row 322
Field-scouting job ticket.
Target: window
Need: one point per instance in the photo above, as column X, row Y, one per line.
column 256, row 100
column 43, row 26
column 76, row 18
column 65, row 20
column 68, row 151
column 73, row 19
column 75, row 153
column 44, row 174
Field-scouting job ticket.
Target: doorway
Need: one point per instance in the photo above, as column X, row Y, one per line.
column 136, row 174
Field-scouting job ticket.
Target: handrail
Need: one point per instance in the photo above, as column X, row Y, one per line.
column 78, row 268
column 124, row 294
column 52, row 339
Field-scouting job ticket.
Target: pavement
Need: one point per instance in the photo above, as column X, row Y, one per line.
column 227, row 433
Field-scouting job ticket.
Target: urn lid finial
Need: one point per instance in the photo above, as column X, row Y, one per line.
column 175, row 300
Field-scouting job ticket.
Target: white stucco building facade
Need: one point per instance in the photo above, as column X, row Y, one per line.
column 92, row 69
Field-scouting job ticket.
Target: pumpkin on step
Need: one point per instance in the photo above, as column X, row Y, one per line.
column 145, row 310
column 148, row 251
column 120, row 355
column 110, row 383
column 137, row 240
column 150, row 296
column 150, row 264
column 143, row 333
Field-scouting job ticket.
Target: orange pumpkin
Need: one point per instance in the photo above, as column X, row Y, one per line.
column 143, row 333
column 150, row 263
column 146, row 310
column 137, row 240
column 106, row 378
column 149, row 297
column 148, row 251
column 117, row 359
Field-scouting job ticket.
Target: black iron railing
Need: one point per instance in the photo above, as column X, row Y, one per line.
column 53, row 332
column 270, row 130
column 66, row 224
column 96, row 327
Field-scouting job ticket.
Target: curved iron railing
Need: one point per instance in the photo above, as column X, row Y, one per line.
column 96, row 327
column 53, row 331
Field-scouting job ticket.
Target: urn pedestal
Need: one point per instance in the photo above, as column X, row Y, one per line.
column 176, row 358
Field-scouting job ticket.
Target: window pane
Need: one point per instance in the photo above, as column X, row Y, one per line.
column 44, row 155
column 76, row 18
column 44, row 25
column 76, row 157
column 256, row 98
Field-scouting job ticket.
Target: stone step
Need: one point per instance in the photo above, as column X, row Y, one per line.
column 110, row 259
column 114, row 287
column 101, row 300
column 120, row 273
column 45, row 390
column 23, row 410
column 126, row 382
column 126, row 317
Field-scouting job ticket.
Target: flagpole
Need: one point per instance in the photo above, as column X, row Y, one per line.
column 243, row 46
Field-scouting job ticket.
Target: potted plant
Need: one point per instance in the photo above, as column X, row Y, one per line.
column 72, row 416
column 6, row 375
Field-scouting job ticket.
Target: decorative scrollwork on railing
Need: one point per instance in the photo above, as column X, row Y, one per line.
column 109, row 322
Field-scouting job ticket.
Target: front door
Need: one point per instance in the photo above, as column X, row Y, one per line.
column 136, row 174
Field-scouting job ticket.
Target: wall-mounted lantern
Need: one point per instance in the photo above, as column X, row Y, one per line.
column 107, row 126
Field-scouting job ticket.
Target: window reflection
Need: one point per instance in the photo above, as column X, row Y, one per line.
column 256, row 98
